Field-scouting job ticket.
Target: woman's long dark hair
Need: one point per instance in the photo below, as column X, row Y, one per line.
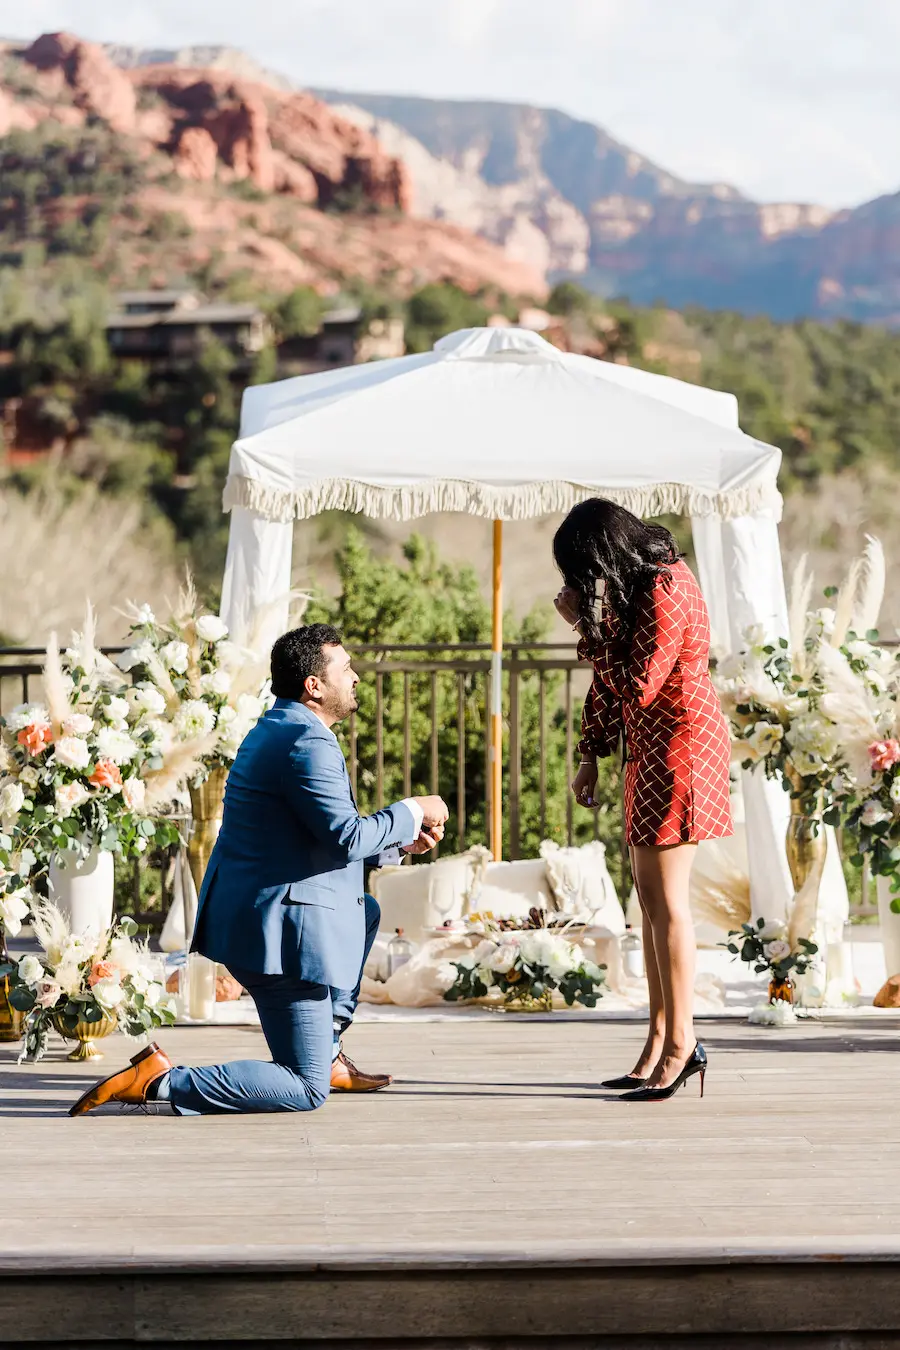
column 600, row 541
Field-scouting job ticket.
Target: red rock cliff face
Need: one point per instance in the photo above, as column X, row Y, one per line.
column 216, row 126
column 99, row 86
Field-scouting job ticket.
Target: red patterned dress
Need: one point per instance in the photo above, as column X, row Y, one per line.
column 658, row 692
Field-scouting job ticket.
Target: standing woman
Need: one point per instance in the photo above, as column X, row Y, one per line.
column 644, row 625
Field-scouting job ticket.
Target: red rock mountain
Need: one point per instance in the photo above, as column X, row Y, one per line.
column 326, row 201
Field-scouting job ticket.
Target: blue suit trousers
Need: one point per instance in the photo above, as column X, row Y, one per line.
column 300, row 1022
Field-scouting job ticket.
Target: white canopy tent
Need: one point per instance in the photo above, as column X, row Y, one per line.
column 498, row 423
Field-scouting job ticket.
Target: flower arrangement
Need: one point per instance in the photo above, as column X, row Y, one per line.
column 766, row 947
column 189, row 672
column 864, row 697
column 81, row 768
column 83, row 977
column 527, row 966
column 778, row 695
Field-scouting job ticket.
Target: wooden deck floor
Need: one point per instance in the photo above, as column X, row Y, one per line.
column 495, row 1157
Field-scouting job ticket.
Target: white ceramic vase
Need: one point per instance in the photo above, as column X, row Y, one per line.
column 83, row 889
column 890, row 926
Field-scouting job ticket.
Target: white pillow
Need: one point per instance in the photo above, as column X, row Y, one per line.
column 512, row 888
column 423, row 895
column 582, row 885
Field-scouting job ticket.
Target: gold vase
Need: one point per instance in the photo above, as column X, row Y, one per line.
column 781, row 989
column 805, row 841
column 84, row 1035
column 12, row 1022
column 206, row 811
column 525, row 1003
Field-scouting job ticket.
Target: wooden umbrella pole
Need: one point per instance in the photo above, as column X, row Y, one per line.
column 496, row 729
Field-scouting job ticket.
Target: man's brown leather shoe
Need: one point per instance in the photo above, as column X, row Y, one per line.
column 346, row 1077
column 128, row 1086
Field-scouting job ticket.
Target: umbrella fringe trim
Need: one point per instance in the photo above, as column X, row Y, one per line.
column 515, row 503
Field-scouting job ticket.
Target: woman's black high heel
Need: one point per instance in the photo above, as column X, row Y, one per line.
column 626, row 1083
column 696, row 1064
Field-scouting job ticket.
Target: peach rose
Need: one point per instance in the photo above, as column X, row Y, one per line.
column 106, row 775
column 36, row 737
column 884, row 755
column 101, row 970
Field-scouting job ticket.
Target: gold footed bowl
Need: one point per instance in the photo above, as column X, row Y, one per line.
column 84, row 1034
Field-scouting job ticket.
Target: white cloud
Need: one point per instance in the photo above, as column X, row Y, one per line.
column 795, row 100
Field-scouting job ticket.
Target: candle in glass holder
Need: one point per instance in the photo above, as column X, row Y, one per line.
column 201, row 988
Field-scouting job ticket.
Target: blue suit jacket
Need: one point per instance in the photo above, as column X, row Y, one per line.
column 283, row 892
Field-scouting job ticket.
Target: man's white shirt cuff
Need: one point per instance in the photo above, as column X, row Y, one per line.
column 390, row 857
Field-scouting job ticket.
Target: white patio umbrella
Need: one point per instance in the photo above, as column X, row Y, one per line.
column 492, row 422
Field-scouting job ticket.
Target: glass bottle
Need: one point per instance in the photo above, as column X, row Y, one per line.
column 632, row 954
column 399, row 951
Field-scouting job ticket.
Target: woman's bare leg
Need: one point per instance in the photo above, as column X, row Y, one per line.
column 649, row 1056
column 663, row 880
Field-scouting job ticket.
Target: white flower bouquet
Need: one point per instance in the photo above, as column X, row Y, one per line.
column 766, row 947
column 527, row 966
column 864, row 698
column 189, row 673
column 80, row 768
column 783, row 698
column 85, row 978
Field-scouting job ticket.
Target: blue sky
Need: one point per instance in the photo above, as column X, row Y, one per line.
column 795, row 100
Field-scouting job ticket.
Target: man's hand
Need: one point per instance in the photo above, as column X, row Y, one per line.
column 426, row 841
column 434, row 811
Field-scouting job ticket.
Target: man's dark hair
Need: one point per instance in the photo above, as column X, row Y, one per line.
column 297, row 655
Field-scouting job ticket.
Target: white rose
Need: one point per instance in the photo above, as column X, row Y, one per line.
column 30, row 777
column 873, row 813
column 167, row 1004
column 216, row 683
column 175, row 655
column 210, row 628
column 504, row 958
column 48, row 993
column 115, row 745
column 134, row 791
column 146, row 698
column 72, row 752
column 250, row 708
column 78, row 724
column 18, row 718
column 194, row 718
column 30, row 969
column 773, row 931
column 755, row 636
column 12, row 799
column 445, row 976
column 152, row 994
column 777, row 950
column 138, row 655
column 109, row 993
column 69, row 797
column 145, row 615
column 13, row 909
column 766, row 738
column 561, row 960
column 116, row 711
column 483, row 952
column 593, row 971
column 895, row 790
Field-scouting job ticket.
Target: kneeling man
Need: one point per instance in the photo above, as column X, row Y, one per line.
column 283, row 904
